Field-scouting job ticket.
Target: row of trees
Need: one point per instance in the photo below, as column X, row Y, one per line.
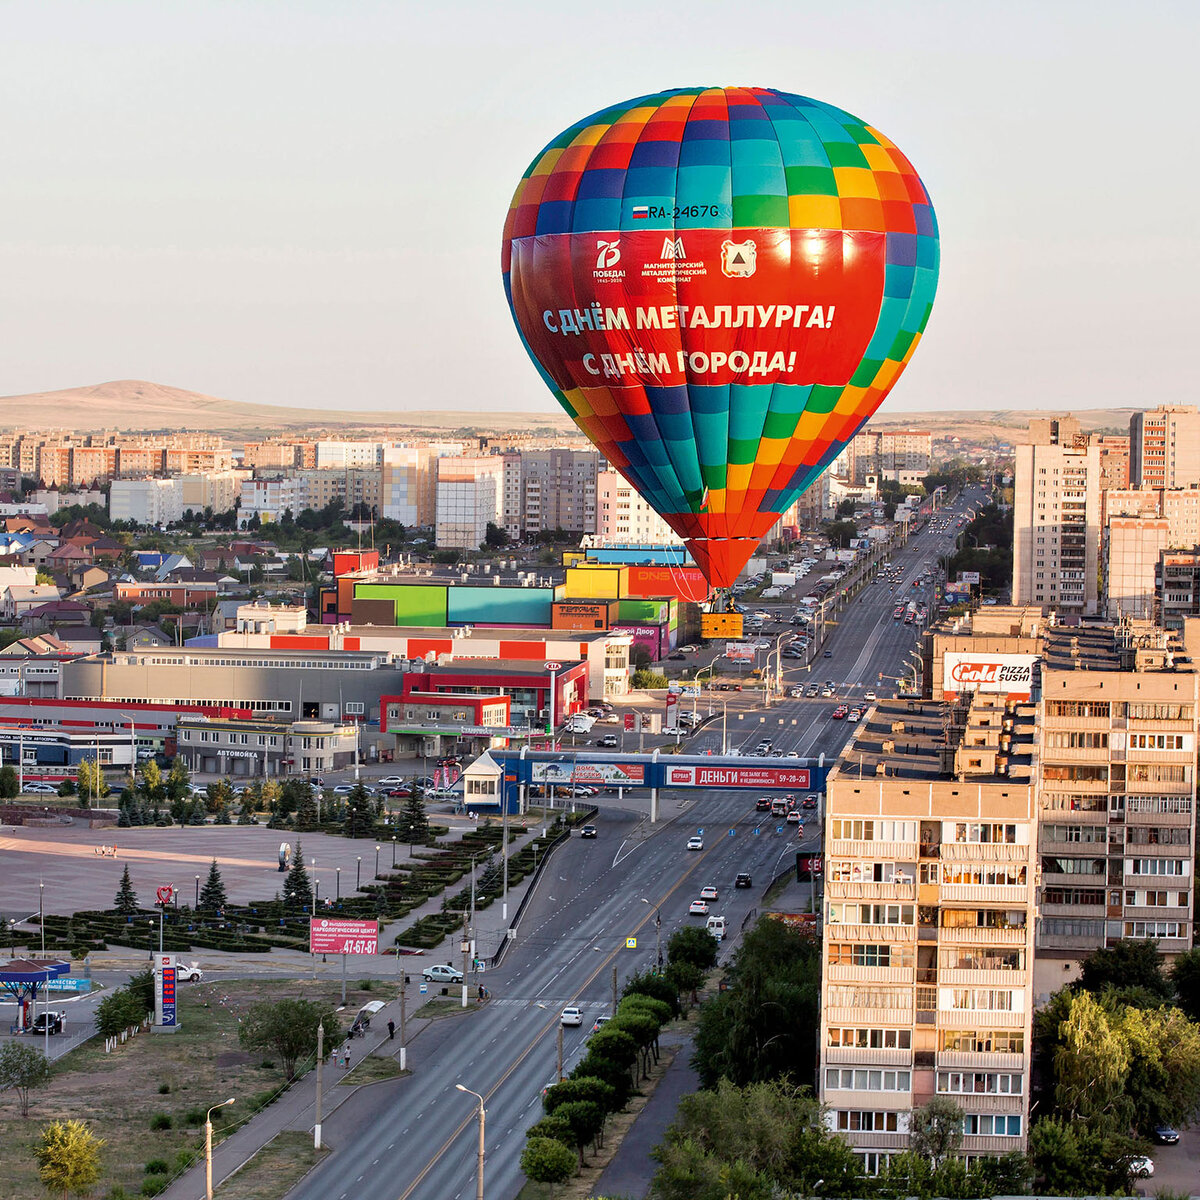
column 212, row 897
column 619, row 1054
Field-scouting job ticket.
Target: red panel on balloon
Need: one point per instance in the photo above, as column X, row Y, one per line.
column 699, row 306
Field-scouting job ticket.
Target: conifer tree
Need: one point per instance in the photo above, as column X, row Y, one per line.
column 126, row 902
column 296, row 887
column 212, row 894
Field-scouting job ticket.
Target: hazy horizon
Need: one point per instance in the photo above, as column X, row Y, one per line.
column 301, row 205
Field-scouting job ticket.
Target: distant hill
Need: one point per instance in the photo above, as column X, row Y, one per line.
column 133, row 404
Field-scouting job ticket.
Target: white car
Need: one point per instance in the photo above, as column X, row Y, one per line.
column 709, row 893
column 441, row 973
column 695, row 843
column 188, row 974
column 1141, row 1167
column 572, row 1016
column 698, row 908
column 870, row 696
column 391, row 781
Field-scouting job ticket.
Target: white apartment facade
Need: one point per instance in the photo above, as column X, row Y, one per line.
column 1056, row 527
column 146, row 501
column 269, row 499
column 624, row 518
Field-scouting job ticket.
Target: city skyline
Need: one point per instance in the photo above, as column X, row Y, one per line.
column 308, row 212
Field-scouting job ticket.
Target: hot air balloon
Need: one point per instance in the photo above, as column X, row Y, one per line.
column 720, row 285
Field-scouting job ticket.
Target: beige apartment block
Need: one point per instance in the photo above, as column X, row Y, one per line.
column 929, row 914
column 1056, row 525
column 1117, row 723
column 1164, row 447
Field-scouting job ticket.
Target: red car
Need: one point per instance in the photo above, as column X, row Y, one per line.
column 840, row 712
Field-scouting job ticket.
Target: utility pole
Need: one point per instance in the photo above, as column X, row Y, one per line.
column 403, row 1006
column 320, row 1066
column 614, row 989
column 466, row 952
column 560, row 1052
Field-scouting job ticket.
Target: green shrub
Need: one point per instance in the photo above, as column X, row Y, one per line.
column 158, row 1166
column 117, row 1192
column 164, row 1089
column 185, row 1158
column 160, row 1121
column 153, row 1184
column 194, row 1116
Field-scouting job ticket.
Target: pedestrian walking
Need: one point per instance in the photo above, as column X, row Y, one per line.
column 346, row 1059
column 391, row 1031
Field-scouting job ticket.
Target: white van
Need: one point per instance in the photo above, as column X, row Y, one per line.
column 716, row 926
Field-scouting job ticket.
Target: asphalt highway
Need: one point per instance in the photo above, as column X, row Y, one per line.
column 420, row 1144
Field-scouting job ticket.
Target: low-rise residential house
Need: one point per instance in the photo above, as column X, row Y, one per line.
column 17, row 599
column 80, row 639
column 52, row 614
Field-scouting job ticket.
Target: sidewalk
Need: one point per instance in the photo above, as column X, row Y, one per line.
column 296, row 1108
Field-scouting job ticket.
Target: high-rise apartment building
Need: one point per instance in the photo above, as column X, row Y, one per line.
column 624, row 518
column 1056, row 519
column 1164, row 447
column 469, row 491
column 883, row 452
column 1118, row 723
column 1177, row 584
column 929, row 910
column 1114, row 460
column 146, row 501
column 559, row 490
column 1132, row 546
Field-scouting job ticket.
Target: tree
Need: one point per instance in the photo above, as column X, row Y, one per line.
column 585, row 1119
column 178, row 780
column 91, row 779
column 218, row 796
column 414, row 823
column 1128, row 963
column 150, row 781
column 545, row 1160
column 360, row 819
column 68, row 1157
column 936, row 1129
column 840, row 533
column 22, row 1068
column 655, row 986
column 1091, row 1062
column 288, row 1028
column 693, row 945
column 10, row 784
column 583, row 1088
column 1185, row 975
column 126, row 902
column 66, row 787
column 308, row 815
column 495, row 538
column 212, row 894
column 760, row 1028
column 296, row 887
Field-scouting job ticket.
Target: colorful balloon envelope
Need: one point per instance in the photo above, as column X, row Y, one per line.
column 720, row 285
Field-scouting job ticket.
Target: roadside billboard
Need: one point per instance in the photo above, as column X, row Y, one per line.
column 968, row 577
column 1009, row 675
column 958, row 589
column 718, row 625
column 739, row 651
column 704, row 776
column 341, row 935
column 590, row 773
column 165, row 1014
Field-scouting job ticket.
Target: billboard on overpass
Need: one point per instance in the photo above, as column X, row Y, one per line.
column 590, row 773
column 715, row 776
column 339, row 935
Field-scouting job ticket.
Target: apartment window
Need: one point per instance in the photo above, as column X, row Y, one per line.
column 856, row 1121
column 984, row 1041
column 875, row 831
column 983, row 918
column 871, row 1038
column 991, row 1125
column 1156, row 866
column 862, row 1079
column 1078, row 708
column 1154, row 929
column 980, row 1083
column 1073, row 895
column 986, row 999
column 861, row 955
column 984, row 832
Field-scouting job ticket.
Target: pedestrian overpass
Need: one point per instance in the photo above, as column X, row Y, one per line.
column 502, row 779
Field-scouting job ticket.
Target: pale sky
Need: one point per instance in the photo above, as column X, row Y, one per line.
column 302, row 203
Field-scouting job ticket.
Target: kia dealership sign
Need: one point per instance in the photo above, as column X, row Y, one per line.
column 336, row 935
column 747, row 777
column 1009, row 675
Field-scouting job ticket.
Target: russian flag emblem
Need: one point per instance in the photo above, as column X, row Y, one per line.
column 641, row 212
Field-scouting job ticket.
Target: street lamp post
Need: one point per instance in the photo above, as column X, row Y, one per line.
column 376, row 862
column 338, row 899
column 479, row 1172
column 393, row 850
column 197, row 893
column 208, row 1192
column 657, row 932
column 358, row 874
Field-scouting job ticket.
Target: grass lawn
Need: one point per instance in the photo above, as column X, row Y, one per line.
column 274, row 1170
column 175, row 1075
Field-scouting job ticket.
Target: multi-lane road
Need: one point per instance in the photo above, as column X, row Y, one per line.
column 420, row 1143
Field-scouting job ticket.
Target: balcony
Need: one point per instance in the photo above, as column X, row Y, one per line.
column 1004, row 979
column 957, row 1018
column 855, row 1056
column 862, row 1015
column 835, row 890
column 972, row 1060
column 838, row 973
column 974, row 936
column 1011, row 896
column 872, row 851
column 984, row 852
column 870, row 933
